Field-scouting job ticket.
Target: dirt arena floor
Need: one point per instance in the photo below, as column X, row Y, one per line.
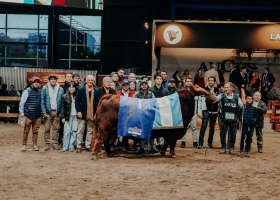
column 193, row 175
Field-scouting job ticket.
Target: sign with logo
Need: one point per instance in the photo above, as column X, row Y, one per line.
column 217, row 35
column 172, row 34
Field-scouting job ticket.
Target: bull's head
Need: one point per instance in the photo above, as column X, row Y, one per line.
column 172, row 34
column 201, row 91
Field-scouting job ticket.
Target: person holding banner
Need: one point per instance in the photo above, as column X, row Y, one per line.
column 30, row 107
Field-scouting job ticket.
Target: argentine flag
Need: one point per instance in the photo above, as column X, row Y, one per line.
column 168, row 113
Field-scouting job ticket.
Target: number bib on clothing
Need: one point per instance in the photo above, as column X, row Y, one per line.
column 229, row 116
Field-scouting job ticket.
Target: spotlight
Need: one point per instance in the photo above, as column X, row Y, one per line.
column 146, row 42
column 146, row 25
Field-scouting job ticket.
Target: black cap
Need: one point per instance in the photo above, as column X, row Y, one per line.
column 171, row 80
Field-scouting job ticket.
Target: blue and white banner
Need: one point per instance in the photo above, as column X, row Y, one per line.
column 168, row 113
column 137, row 117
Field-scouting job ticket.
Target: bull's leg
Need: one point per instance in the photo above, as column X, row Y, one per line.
column 108, row 148
column 172, row 148
column 96, row 144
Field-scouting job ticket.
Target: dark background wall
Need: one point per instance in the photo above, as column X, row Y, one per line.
column 124, row 34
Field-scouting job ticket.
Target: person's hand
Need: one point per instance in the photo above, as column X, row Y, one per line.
column 79, row 114
column 200, row 116
column 45, row 115
column 254, row 105
column 63, row 120
column 268, row 84
column 244, row 102
column 242, row 86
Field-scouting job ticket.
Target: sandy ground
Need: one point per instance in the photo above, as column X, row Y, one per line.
column 193, row 175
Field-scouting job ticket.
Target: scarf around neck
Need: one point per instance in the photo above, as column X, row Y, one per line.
column 90, row 100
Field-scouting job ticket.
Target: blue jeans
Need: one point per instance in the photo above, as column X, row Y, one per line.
column 224, row 126
column 70, row 129
column 206, row 117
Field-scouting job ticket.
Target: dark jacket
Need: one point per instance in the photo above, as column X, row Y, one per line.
column 141, row 95
column 32, row 106
column 249, row 115
column 261, row 111
column 65, row 107
column 210, row 106
column 172, row 90
column 81, row 101
column 269, row 79
column 240, row 80
column 161, row 92
column 102, row 91
column 233, row 76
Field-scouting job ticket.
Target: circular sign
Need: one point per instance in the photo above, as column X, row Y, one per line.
column 172, row 34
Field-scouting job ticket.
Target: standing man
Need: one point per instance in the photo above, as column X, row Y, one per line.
column 50, row 104
column 210, row 114
column 233, row 74
column 158, row 72
column 68, row 79
column 13, row 92
column 30, row 107
column 172, row 86
column 143, row 94
column 261, row 111
column 164, row 79
column 125, row 89
column 76, row 78
column 106, row 88
column 267, row 82
column 159, row 92
column 230, row 104
column 241, row 79
column 132, row 78
column 212, row 72
column 121, row 76
column 199, row 107
column 86, row 103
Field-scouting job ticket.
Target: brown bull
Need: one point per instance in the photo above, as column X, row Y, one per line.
column 106, row 121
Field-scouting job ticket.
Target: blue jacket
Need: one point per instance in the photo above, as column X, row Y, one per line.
column 249, row 115
column 81, row 101
column 45, row 100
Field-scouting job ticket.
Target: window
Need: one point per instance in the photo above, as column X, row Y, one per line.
column 24, row 40
column 79, row 41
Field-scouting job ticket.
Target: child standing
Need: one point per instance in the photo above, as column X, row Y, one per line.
column 249, row 121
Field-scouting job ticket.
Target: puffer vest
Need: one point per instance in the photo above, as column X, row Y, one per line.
column 141, row 95
column 32, row 106
column 229, row 108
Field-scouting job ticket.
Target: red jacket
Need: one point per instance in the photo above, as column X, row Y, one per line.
column 122, row 94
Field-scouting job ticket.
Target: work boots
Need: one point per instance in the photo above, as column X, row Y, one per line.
column 23, row 148
column 183, row 144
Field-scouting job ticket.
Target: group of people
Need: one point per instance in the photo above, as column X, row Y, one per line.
column 69, row 109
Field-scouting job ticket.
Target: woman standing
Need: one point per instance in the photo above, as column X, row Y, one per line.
column 69, row 118
column 178, row 79
column 199, row 79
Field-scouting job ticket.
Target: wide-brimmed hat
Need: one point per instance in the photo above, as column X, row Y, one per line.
column 34, row 78
column 52, row 76
column 125, row 81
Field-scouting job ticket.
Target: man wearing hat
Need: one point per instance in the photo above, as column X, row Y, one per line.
column 144, row 94
column 50, row 104
column 172, row 86
column 126, row 93
column 30, row 107
column 125, row 89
